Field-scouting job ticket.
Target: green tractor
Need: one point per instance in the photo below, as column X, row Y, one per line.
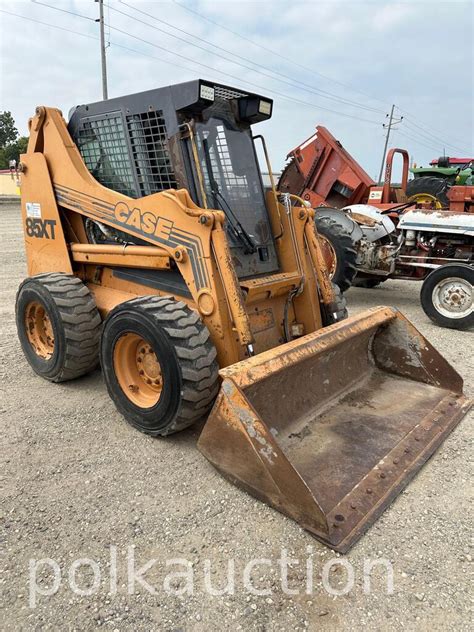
column 430, row 185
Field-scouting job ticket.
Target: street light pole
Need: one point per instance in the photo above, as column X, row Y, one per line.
column 103, row 59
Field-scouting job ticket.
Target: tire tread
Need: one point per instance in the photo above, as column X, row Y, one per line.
column 347, row 268
column 438, row 187
column 80, row 319
column 196, row 355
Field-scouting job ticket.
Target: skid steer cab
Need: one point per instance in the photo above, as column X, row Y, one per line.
column 152, row 247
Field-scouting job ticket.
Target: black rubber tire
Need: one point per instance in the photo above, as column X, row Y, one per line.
column 183, row 347
column 462, row 271
column 341, row 308
column 75, row 321
column 367, row 283
column 344, row 247
column 437, row 187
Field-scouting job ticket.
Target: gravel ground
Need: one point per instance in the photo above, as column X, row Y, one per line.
column 77, row 480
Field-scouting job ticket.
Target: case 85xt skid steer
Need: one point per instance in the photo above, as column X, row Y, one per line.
column 151, row 244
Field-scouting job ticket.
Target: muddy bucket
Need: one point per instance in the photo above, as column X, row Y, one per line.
column 329, row 428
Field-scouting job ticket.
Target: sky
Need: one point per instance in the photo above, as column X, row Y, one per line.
column 338, row 63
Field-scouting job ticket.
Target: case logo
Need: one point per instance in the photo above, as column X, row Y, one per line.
column 144, row 221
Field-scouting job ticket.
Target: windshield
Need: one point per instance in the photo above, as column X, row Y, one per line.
column 231, row 173
column 233, row 184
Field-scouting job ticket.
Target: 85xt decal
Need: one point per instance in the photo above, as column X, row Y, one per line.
column 41, row 228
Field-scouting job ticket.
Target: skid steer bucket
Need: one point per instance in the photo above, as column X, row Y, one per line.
column 329, row 428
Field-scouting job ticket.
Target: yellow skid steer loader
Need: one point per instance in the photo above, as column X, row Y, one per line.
column 153, row 248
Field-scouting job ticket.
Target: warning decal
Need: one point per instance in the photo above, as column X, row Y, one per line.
column 33, row 209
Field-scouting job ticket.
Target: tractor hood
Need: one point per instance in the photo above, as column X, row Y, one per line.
column 438, row 221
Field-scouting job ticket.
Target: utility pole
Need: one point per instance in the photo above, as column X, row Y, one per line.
column 103, row 59
column 391, row 123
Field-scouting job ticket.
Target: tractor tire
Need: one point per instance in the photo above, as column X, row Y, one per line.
column 159, row 364
column 341, row 308
column 58, row 326
column 429, row 188
column 447, row 296
column 340, row 251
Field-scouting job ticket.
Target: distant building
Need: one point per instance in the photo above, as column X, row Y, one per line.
column 9, row 183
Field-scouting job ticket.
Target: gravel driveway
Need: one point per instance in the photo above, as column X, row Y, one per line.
column 78, row 482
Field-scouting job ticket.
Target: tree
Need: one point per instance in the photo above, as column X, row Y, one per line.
column 22, row 144
column 13, row 150
column 8, row 131
column 11, row 144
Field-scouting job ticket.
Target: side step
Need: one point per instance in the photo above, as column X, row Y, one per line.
column 329, row 428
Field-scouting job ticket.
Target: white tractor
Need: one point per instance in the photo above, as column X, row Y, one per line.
column 435, row 247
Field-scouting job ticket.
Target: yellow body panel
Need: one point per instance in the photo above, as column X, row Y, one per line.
column 327, row 428
column 185, row 237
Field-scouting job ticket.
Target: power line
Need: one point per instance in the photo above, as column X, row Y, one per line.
column 323, row 93
column 273, row 52
column 419, row 142
column 282, row 95
column 211, row 67
column 423, row 134
column 428, row 145
column 427, row 136
column 79, row 15
column 53, row 26
column 258, row 86
column 100, row 20
column 292, row 83
column 411, row 116
column 311, row 70
column 416, row 131
column 116, row 45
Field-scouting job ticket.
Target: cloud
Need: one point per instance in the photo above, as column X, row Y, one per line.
column 396, row 52
column 392, row 16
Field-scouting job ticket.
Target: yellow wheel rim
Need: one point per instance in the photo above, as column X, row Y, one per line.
column 39, row 330
column 137, row 370
column 329, row 255
column 426, row 199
